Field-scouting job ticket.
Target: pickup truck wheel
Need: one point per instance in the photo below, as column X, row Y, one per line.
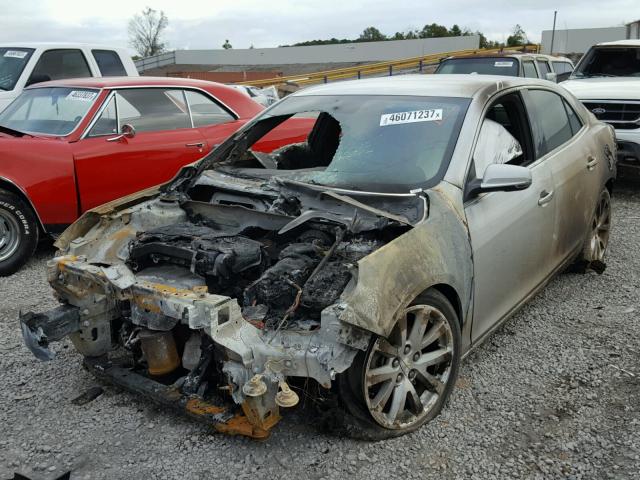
column 402, row 382
column 18, row 232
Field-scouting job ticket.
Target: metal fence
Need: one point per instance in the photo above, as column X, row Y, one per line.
column 393, row 67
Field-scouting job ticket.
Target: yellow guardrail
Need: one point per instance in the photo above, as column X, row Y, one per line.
column 391, row 67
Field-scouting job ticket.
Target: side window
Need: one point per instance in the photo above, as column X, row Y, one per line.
column 57, row 64
column 205, row 111
column 153, row 109
column 544, row 68
column 109, row 63
column 574, row 120
column 504, row 136
column 548, row 111
column 107, row 123
column 529, row 69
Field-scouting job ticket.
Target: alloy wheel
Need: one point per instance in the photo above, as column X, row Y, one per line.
column 600, row 229
column 406, row 374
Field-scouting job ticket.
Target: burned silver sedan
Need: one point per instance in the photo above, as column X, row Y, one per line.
column 358, row 267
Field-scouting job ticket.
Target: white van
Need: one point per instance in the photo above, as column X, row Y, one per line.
column 22, row 64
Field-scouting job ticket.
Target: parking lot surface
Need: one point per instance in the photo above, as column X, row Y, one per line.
column 554, row 393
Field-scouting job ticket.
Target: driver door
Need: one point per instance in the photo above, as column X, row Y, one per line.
column 511, row 232
column 110, row 166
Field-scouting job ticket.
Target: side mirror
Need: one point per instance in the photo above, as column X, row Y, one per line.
column 561, row 77
column 552, row 77
column 500, row 177
column 126, row 131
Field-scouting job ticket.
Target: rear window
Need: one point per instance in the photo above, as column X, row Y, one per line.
column 109, row 63
column 484, row 66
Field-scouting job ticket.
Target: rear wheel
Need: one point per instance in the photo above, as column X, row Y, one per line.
column 597, row 241
column 18, row 232
column 403, row 381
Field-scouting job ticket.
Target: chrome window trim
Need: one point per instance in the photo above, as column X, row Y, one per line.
column 96, row 117
column 184, row 87
column 186, row 102
column 114, row 90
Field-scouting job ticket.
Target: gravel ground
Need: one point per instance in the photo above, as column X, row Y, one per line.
column 554, row 393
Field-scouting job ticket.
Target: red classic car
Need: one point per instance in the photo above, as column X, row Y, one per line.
column 68, row 146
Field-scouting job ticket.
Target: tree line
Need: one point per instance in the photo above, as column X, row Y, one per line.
column 518, row 36
column 146, row 35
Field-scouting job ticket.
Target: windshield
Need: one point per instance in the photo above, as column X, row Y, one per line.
column 374, row 143
column 485, row 66
column 609, row 62
column 49, row 111
column 12, row 62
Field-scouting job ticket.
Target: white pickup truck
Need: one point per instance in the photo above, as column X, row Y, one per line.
column 22, row 64
column 607, row 82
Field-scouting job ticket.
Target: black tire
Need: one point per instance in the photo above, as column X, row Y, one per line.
column 355, row 418
column 18, row 232
column 592, row 257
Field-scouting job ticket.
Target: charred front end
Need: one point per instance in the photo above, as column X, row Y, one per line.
column 215, row 302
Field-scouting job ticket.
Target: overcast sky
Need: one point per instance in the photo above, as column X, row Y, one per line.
column 207, row 23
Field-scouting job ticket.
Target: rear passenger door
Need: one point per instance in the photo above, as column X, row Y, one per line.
column 109, row 166
column 560, row 140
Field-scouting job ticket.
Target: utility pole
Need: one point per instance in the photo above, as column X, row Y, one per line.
column 553, row 32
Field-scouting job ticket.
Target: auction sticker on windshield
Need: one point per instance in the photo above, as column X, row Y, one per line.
column 503, row 64
column 15, row 54
column 82, row 95
column 414, row 116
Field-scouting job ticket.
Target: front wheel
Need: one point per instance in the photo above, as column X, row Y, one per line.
column 18, row 232
column 403, row 381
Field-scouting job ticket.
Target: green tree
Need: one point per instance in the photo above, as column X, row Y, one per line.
column 434, row 30
column 517, row 38
column 398, row 36
column 145, row 32
column 226, row 45
column 455, row 31
column 371, row 34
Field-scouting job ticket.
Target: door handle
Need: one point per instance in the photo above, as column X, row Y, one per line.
column 591, row 162
column 545, row 197
column 196, row 144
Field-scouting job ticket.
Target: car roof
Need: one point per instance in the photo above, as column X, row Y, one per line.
column 463, row 86
column 239, row 103
column 119, row 82
column 58, row 45
column 621, row 43
column 509, row 54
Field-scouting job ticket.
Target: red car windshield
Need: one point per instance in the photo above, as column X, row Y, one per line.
column 49, row 111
